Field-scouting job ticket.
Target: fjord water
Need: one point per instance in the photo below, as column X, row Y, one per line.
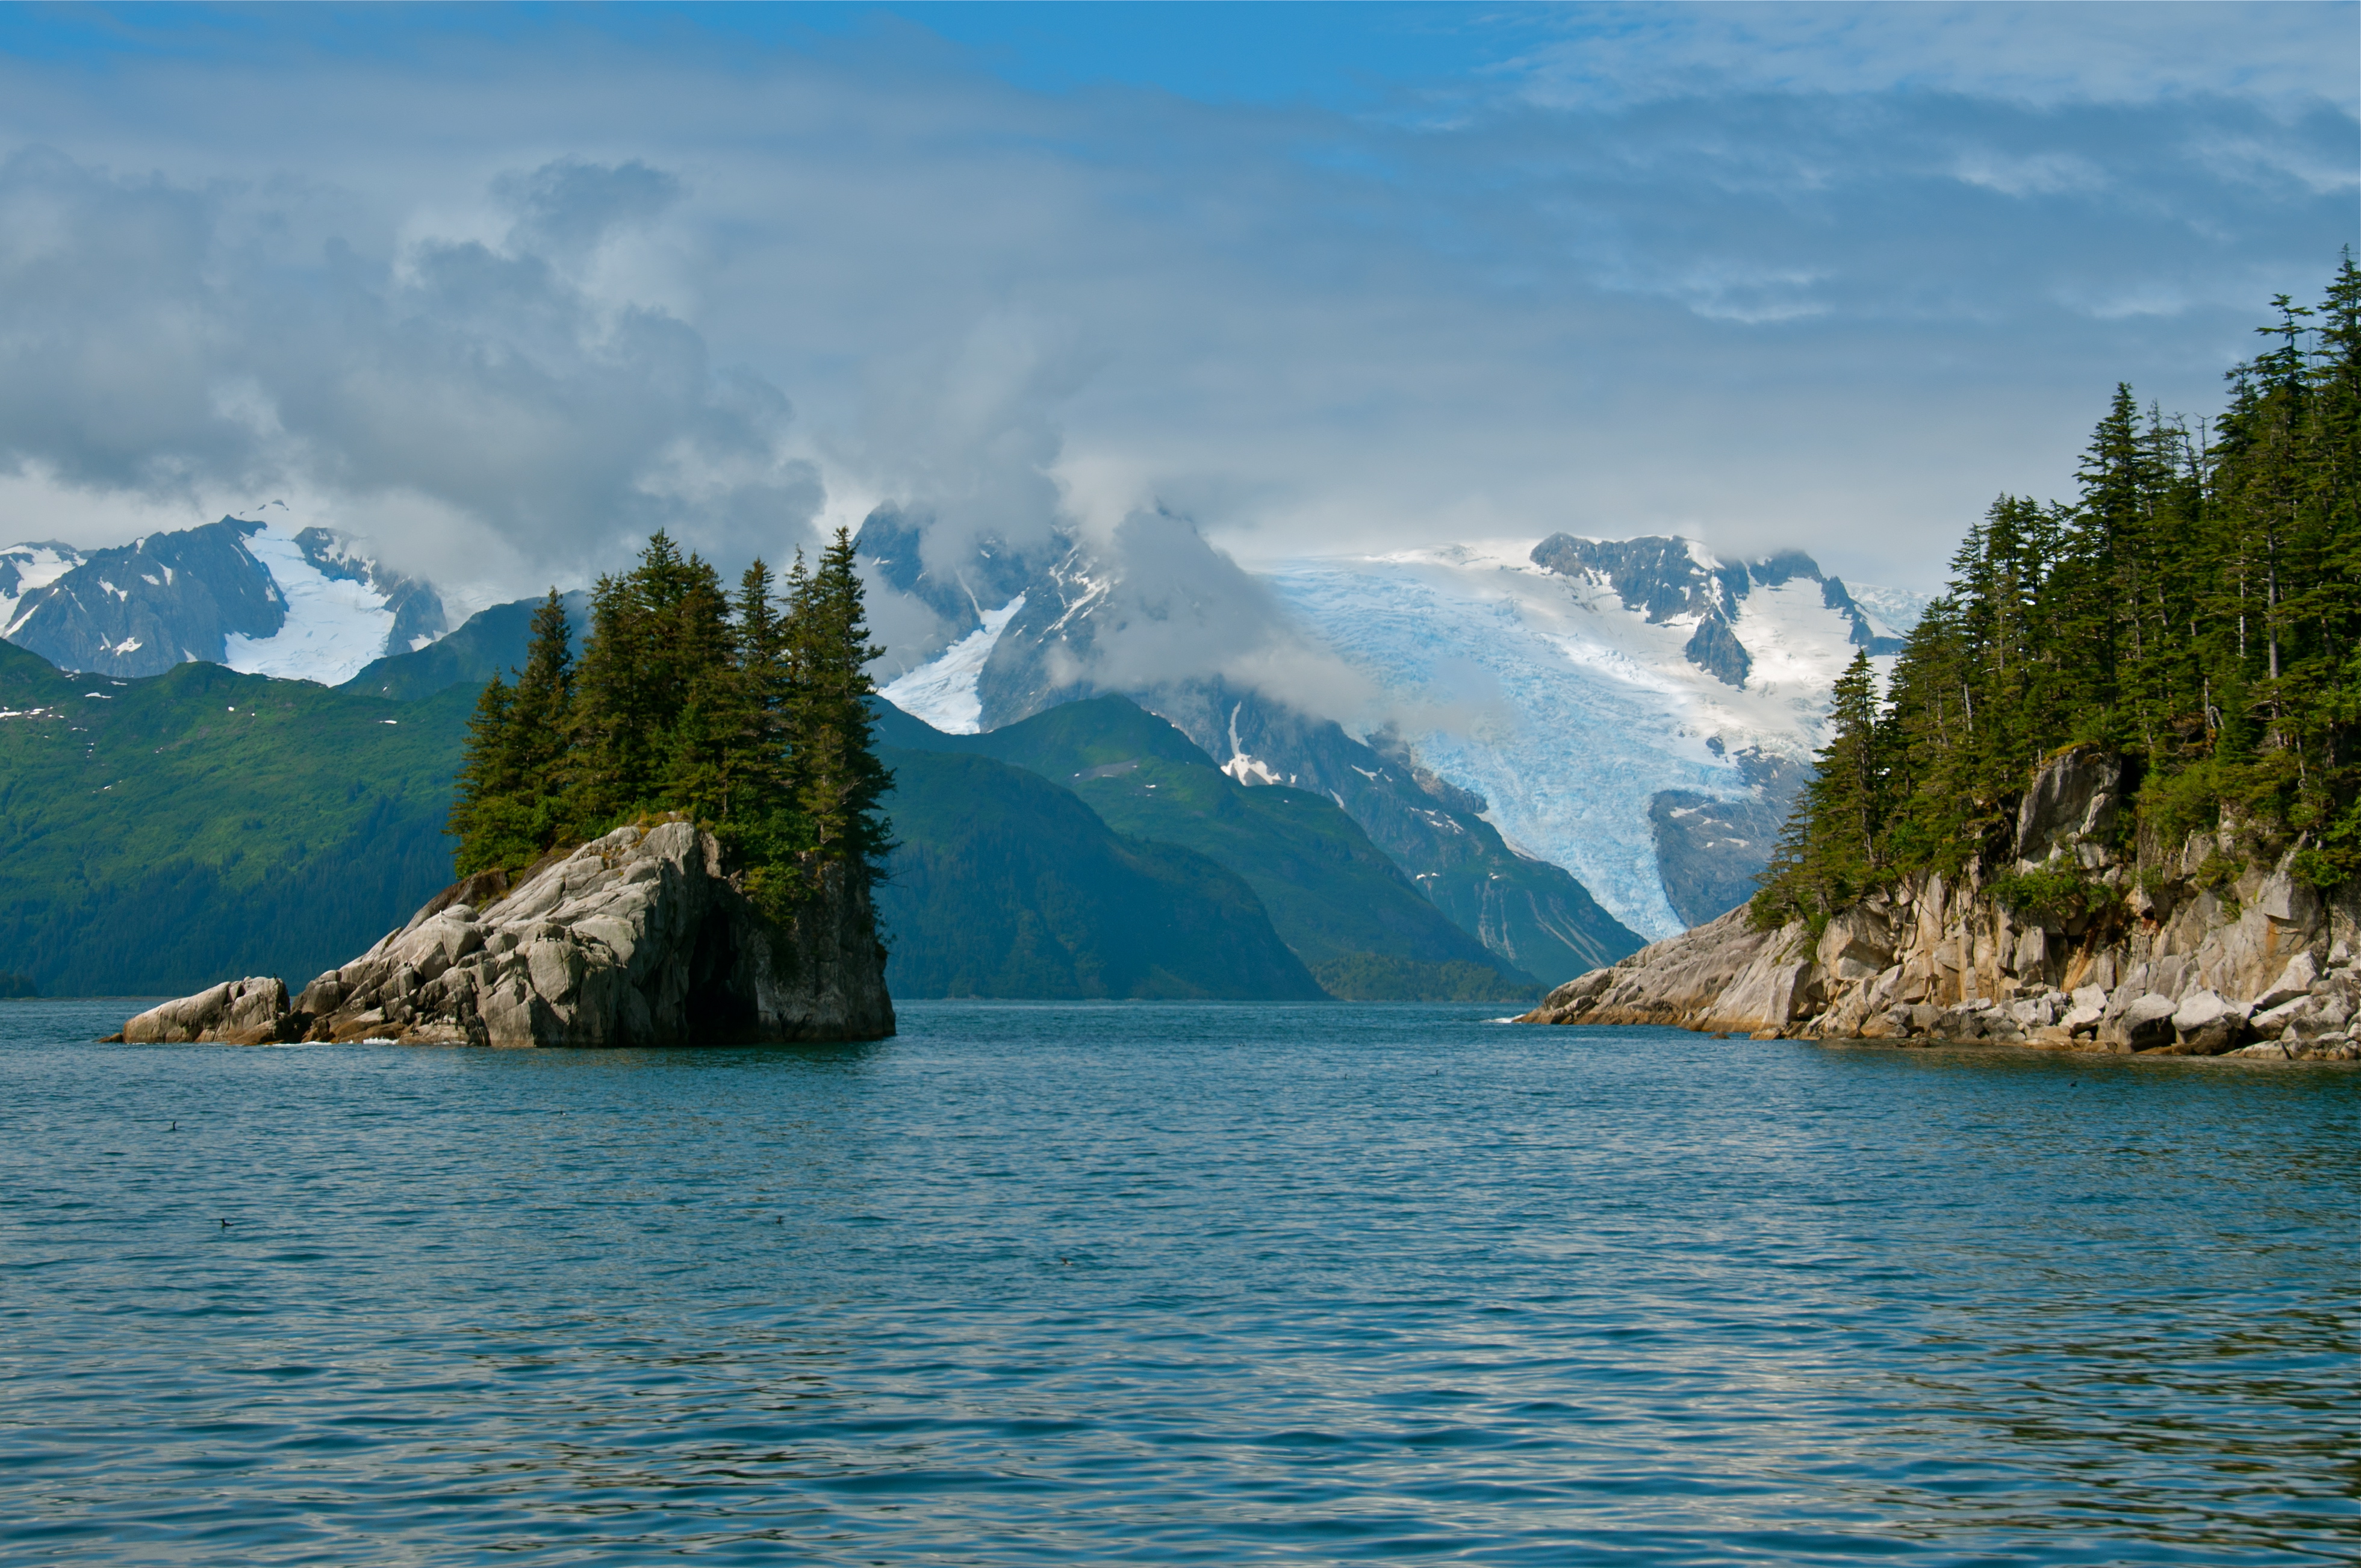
column 1172, row 1284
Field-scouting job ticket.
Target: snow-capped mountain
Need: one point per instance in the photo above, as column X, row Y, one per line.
column 26, row 568
column 998, row 636
column 303, row 603
column 1637, row 712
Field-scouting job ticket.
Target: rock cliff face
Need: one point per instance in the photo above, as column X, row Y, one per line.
column 2192, row 950
column 635, row 939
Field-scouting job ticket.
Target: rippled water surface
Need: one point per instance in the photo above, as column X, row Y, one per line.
column 1206, row 1284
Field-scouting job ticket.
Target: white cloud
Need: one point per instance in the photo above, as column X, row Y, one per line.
column 1762, row 274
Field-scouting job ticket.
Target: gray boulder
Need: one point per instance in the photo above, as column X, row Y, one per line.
column 242, row 1012
column 638, row 938
column 2206, row 1026
column 2144, row 1025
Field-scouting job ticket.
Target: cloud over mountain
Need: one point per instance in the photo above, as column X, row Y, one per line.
column 525, row 285
column 178, row 341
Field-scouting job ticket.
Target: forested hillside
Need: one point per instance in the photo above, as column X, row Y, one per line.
column 159, row 835
column 2196, row 608
column 1351, row 916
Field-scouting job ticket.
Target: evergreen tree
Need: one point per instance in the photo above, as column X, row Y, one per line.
column 751, row 720
column 1830, row 853
column 483, row 817
column 510, row 801
column 837, row 779
column 2197, row 608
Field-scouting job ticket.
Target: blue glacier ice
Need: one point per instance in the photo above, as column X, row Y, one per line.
column 1566, row 709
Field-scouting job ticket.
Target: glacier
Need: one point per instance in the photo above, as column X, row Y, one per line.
column 1566, row 709
column 942, row 691
column 335, row 626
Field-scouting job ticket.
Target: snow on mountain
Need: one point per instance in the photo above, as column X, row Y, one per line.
column 1896, row 610
column 301, row 603
column 332, row 626
column 24, row 568
column 1638, row 712
column 1576, row 686
column 942, row 692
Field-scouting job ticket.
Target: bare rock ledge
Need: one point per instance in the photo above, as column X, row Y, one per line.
column 2172, row 959
column 637, row 938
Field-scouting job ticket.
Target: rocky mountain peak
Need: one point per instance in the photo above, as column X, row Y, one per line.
column 306, row 604
column 1667, row 579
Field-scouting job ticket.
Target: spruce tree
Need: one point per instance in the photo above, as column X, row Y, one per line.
column 751, row 718
column 1830, row 854
column 490, row 831
column 2197, row 609
column 837, row 779
column 510, row 798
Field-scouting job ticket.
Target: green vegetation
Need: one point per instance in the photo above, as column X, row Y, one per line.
column 2057, row 894
column 750, row 715
column 16, row 985
column 160, row 835
column 2196, row 609
column 1006, row 885
column 1344, row 908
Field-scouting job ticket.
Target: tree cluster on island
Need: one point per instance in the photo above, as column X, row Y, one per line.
column 2196, row 609
column 748, row 713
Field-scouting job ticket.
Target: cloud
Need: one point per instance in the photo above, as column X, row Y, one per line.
column 1765, row 276
column 161, row 340
column 965, row 432
column 569, row 206
column 1180, row 611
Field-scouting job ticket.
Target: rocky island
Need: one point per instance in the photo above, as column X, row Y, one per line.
column 672, row 842
column 2187, row 960
column 635, row 938
column 2108, row 795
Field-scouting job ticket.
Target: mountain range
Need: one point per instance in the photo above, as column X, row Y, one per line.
column 160, row 833
column 1634, row 715
column 252, row 596
column 1564, row 745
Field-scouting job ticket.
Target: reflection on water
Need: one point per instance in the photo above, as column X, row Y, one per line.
column 1172, row 1284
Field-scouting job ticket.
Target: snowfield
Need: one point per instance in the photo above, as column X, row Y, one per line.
column 23, row 568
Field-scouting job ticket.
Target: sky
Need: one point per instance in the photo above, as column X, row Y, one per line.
column 504, row 289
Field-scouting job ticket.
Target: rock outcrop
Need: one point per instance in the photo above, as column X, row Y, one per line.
column 242, row 1011
column 638, row 938
column 2199, row 948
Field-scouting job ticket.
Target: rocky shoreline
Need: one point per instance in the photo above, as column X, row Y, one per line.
column 636, row 938
column 2195, row 949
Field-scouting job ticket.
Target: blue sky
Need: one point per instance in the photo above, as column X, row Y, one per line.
column 501, row 286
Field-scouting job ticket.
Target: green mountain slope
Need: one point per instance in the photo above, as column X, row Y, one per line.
column 491, row 643
column 1346, row 909
column 1532, row 916
column 159, row 835
column 1006, row 885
